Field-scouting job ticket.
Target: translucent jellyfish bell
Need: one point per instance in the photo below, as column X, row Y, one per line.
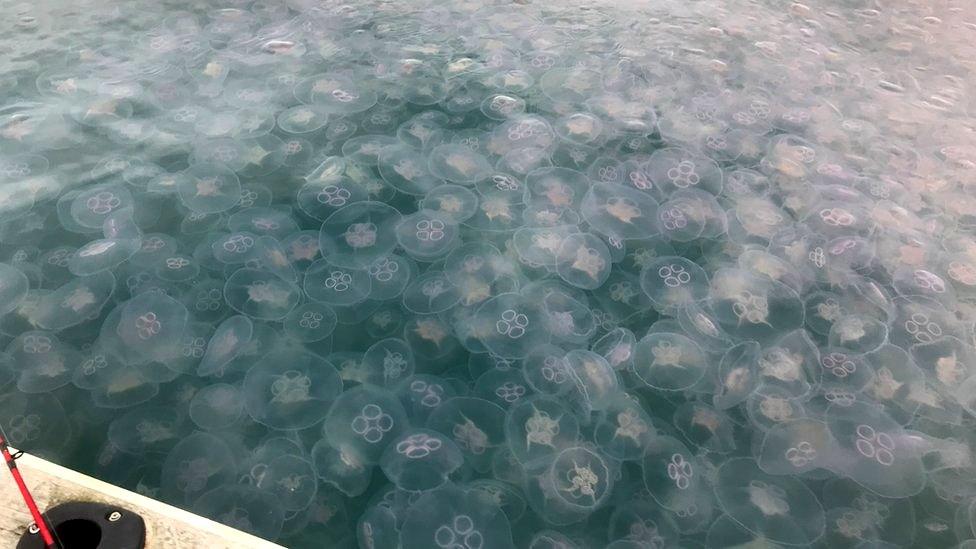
column 673, row 169
column 310, row 322
column 623, row 429
column 364, row 421
column 35, row 422
column 753, row 307
column 335, row 94
column 13, row 288
column 705, row 427
column 198, row 463
column 209, row 188
column 337, row 286
column 216, row 407
column 244, row 508
column 427, row 235
column 290, row 389
column 358, row 234
column 43, row 362
column 795, row 447
column 291, row 479
column 406, row 169
column 458, row 164
column 476, row 425
column 571, row 486
column 451, row 517
column 388, row 362
column 228, row 341
column 148, row 430
column 620, row 211
column 75, row 301
column 518, row 324
column 874, row 450
column 539, row 427
column 153, row 323
column 737, row 375
column 420, row 460
column 583, row 260
column 674, row 282
column 341, row 469
column 669, row 361
column 261, row 294
column 780, row 509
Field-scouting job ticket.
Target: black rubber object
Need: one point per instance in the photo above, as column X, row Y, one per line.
column 86, row 525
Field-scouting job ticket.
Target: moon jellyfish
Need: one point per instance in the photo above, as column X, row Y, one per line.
column 673, row 282
column 291, row 479
column 43, row 362
column 737, row 375
column 875, row 451
column 260, row 295
column 583, row 260
column 420, row 460
column 334, row 285
column 539, row 427
column 152, row 323
column 364, row 421
column 406, row 169
column 209, row 188
column 518, row 325
column 780, row 509
column 216, row 407
column 571, row 486
column 243, row 508
column 35, row 423
column 795, row 447
column 13, row 288
column 93, row 205
column 426, row 235
column 458, row 164
column 197, row 464
column 620, row 211
column 751, row 307
column 668, row 361
column 476, row 426
column 74, row 302
column 290, row 389
column 453, row 517
column 148, row 430
column 705, row 427
column 358, row 234
column 310, row 322
column 341, row 469
column 227, row 342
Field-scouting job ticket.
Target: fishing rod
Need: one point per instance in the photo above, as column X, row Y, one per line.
column 11, row 459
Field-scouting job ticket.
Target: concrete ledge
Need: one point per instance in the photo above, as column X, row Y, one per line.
column 167, row 527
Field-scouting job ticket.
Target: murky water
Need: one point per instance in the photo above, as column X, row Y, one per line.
column 488, row 275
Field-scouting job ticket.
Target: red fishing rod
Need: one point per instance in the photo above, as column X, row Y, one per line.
column 39, row 521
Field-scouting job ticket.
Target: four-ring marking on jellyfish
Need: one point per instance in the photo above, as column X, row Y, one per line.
column 801, row 454
column 875, row 445
column 752, row 308
column 372, row 423
column 512, row 324
column 680, row 471
column 459, row 533
column 418, row 446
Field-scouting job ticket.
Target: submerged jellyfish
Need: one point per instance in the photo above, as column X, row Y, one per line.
column 290, row 389
column 451, row 517
column 364, row 421
column 420, row 460
column 781, row 509
column 13, row 288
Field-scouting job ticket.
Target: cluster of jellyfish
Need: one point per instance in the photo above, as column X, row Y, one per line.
column 467, row 275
